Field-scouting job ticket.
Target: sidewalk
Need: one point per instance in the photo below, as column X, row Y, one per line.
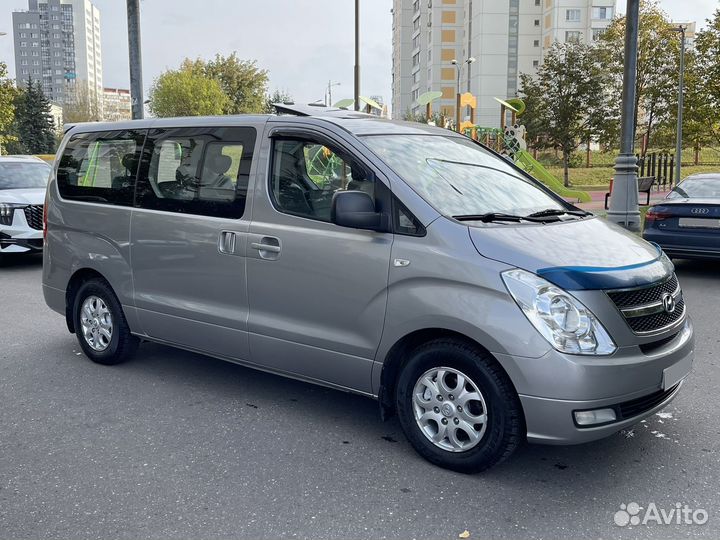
column 598, row 200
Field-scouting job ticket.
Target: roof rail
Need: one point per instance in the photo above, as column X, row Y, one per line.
column 316, row 109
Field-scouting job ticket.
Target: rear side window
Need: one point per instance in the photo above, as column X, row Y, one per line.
column 197, row 170
column 101, row 167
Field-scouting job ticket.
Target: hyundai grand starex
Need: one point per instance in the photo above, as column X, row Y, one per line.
column 399, row 261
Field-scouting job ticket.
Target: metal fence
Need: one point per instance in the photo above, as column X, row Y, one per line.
column 660, row 165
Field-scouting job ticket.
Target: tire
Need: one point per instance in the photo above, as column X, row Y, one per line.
column 104, row 309
column 468, row 444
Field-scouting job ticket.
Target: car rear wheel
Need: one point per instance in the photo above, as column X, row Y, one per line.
column 457, row 407
column 100, row 324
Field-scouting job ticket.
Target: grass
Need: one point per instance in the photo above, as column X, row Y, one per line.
column 607, row 159
column 598, row 178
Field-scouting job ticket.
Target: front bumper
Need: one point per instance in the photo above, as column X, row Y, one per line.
column 19, row 237
column 634, row 384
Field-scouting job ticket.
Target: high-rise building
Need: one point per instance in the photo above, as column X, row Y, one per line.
column 117, row 104
column 57, row 42
column 480, row 46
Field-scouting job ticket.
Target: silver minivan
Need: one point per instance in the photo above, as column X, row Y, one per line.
column 395, row 260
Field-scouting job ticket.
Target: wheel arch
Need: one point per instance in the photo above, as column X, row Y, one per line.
column 397, row 357
column 76, row 280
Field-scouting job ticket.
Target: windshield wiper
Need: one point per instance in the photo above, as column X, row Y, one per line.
column 496, row 216
column 556, row 212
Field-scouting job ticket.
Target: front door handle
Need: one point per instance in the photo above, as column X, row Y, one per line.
column 268, row 247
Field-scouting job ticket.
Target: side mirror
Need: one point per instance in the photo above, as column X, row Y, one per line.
column 355, row 209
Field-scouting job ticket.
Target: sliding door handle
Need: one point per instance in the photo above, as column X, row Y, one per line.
column 226, row 242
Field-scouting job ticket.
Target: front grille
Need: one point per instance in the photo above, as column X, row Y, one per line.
column 34, row 216
column 638, row 406
column 643, row 307
column 647, row 295
column 656, row 321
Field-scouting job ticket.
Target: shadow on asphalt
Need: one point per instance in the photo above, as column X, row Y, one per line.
column 20, row 261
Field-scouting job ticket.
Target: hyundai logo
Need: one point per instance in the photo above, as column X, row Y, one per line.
column 700, row 211
column 668, row 302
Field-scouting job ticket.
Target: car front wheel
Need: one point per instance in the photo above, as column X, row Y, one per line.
column 457, row 407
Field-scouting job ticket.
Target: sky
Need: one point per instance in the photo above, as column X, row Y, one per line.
column 302, row 43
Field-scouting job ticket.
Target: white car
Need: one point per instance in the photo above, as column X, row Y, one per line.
column 23, row 180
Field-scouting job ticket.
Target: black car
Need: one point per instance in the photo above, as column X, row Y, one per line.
column 686, row 224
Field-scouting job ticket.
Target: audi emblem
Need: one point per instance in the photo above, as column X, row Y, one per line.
column 668, row 302
column 701, row 211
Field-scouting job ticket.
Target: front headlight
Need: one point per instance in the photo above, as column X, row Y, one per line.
column 564, row 321
column 7, row 210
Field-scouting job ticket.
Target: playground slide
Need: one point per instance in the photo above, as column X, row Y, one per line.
column 525, row 161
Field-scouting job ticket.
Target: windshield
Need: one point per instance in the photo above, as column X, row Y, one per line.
column 459, row 177
column 17, row 175
column 708, row 187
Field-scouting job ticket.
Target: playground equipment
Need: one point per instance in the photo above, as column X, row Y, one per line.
column 510, row 141
column 368, row 104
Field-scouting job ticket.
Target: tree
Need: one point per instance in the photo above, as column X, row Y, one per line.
column 704, row 80
column 278, row 96
column 33, row 126
column 186, row 92
column 80, row 106
column 8, row 93
column 242, row 81
column 657, row 71
column 533, row 117
column 568, row 96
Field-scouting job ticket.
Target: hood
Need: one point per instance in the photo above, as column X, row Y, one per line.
column 591, row 253
column 23, row 195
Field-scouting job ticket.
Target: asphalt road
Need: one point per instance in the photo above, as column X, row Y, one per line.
column 177, row 445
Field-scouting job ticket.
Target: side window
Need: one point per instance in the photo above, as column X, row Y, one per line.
column 100, row 167
column 306, row 174
column 197, row 171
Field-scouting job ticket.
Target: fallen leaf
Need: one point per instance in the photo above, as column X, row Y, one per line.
column 464, row 534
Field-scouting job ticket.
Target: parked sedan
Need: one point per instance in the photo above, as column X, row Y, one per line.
column 687, row 223
column 23, row 180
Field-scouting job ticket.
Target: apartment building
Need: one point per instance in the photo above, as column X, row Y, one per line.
column 117, row 104
column 480, row 46
column 57, row 42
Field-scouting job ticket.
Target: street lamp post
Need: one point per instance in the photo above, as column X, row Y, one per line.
column 681, row 99
column 458, row 66
column 624, row 199
column 2, row 34
column 356, row 93
column 134, row 49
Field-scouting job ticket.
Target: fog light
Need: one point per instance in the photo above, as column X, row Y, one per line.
column 598, row 416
